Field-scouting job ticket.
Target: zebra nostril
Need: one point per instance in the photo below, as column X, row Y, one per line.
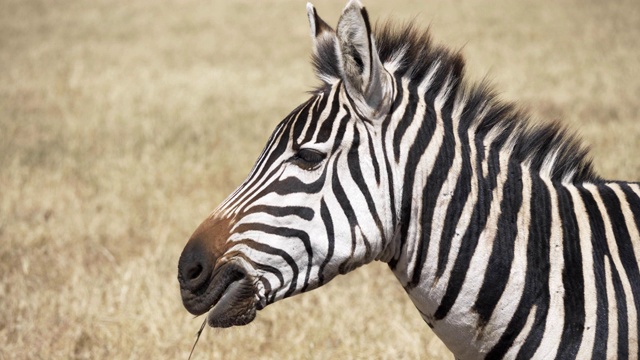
column 194, row 272
column 194, row 267
column 193, row 276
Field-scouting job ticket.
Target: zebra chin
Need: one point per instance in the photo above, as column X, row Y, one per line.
column 229, row 297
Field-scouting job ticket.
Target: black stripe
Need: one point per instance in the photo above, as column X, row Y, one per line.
column 478, row 222
column 629, row 264
column 288, row 233
column 502, row 253
column 347, row 209
column 342, row 128
column 274, row 135
column 303, row 212
column 459, row 198
column 627, row 255
column 634, row 203
column 623, row 316
column 353, row 162
column 572, row 278
column 416, row 150
column 374, row 158
column 407, row 118
column 267, row 290
column 598, row 241
column 537, row 278
column 328, row 225
column 265, row 283
column 327, row 125
column 536, row 290
column 292, row 185
column 285, row 186
column 365, row 17
column 265, row 152
column 435, row 180
column 253, row 192
column 250, row 192
column 314, row 118
column 299, row 122
column 275, row 251
column 387, row 163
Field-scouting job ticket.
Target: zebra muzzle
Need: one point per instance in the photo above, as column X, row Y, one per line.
column 227, row 294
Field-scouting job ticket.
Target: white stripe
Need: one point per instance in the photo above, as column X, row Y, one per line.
column 395, row 60
column 548, row 164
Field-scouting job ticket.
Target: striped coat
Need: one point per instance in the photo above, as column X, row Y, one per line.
column 501, row 233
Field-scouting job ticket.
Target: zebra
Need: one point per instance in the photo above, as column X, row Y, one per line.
column 504, row 237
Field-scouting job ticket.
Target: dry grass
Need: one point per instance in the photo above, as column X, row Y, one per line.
column 122, row 124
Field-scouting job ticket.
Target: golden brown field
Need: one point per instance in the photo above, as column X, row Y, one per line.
column 124, row 123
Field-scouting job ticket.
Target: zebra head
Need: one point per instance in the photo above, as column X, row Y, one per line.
column 316, row 204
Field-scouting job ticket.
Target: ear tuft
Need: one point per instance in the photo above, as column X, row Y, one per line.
column 365, row 78
column 325, row 57
column 316, row 24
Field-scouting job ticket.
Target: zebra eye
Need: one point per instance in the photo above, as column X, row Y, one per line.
column 308, row 158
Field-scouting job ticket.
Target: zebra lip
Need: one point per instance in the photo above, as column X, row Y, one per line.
column 229, row 297
column 234, row 298
column 233, row 308
column 207, row 296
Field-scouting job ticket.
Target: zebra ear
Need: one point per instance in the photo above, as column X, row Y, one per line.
column 325, row 48
column 365, row 78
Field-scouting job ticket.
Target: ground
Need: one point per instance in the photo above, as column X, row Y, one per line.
column 123, row 124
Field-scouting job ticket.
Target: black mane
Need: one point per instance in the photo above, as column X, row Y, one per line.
column 414, row 55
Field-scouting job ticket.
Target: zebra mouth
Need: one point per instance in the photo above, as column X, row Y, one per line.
column 230, row 298
column 235, row 307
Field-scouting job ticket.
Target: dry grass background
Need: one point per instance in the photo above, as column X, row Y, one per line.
column 123, row 123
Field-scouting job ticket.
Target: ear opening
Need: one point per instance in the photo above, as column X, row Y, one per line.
column 365, row 78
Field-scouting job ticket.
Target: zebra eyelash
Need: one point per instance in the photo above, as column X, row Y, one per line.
column 308, row 159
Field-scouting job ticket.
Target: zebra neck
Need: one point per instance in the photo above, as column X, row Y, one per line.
column 451, row 211
column 449, row 246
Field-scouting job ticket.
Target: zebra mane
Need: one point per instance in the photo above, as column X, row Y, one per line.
column 547, row 148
